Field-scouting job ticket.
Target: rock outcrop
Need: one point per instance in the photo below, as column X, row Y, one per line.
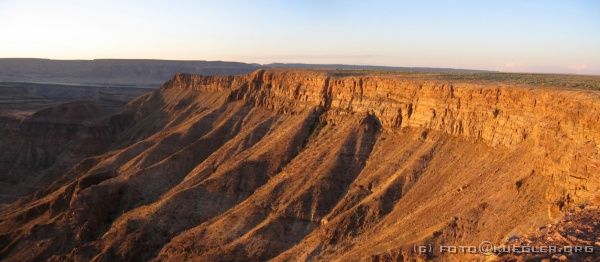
column 576, row 234
column 313, row 165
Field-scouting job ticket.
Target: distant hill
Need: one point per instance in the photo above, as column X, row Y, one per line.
column 151, row 73
column 376, row 68
column 140, row 73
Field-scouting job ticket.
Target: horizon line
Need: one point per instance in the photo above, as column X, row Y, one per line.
column 304, row 63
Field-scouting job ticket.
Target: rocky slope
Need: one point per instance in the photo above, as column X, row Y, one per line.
column 581, row 229
column 311, row 165
column 38, row 147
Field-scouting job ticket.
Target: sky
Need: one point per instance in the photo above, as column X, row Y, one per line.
column 515, row 36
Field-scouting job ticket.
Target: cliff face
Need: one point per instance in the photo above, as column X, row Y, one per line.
column 296, row 165
column 497, row 114
column 561, row 125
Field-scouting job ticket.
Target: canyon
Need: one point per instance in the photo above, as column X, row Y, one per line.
column 297, row 165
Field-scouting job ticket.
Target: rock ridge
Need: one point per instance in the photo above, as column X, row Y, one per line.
column 562, row 123
column 499, row 114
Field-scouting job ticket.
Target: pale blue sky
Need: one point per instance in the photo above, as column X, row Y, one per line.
column 534, row 36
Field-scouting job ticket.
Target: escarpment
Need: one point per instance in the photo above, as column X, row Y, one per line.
column 559, row 124
column 316, row 165
column 497, row 114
